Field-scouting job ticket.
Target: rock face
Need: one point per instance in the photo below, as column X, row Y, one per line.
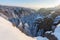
column 57, row 20
column 29, row 21
column 14, row 13
column 38, row 24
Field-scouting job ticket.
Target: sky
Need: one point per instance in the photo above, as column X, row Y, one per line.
column 34, row 4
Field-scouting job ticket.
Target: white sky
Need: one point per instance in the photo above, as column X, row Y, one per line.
column 34, row 4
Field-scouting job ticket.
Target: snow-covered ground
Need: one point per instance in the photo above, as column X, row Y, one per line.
column 8, row 32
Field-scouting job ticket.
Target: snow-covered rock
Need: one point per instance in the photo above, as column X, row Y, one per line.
column 20, row 24
column 57, row 32
column 41, row 38
column 57, row 19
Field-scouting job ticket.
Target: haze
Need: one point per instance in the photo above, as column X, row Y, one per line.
column 34, row 4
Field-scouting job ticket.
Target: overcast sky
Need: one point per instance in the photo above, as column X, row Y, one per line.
column 35, row 4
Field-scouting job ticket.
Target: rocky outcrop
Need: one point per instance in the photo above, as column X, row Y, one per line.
column 11, row 11
column 13, row 14
column 29, row 21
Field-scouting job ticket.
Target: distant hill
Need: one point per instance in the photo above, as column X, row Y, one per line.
column 47, row 11
column 58, row 6
column 12, row 11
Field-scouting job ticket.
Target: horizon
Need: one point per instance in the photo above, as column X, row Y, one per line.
column 33, row 4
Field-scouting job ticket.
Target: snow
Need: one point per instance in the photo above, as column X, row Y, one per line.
column 20, row 25
column 57, row 19
column 57, row 32
column 26, row 24
column 41, row 38
column 48, row 31
column 8, row 32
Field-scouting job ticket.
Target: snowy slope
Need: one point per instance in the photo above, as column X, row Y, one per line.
column 8, row 32
column 57, row 32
